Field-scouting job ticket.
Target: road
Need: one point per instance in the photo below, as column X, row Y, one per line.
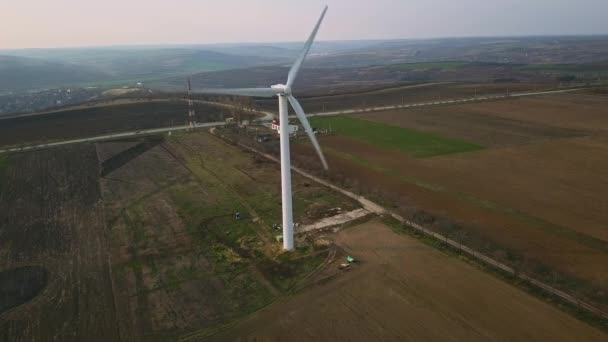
column 444, row 102
column 268, row 116
column 113, row 136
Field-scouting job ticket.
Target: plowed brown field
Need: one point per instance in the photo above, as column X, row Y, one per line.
column 403, row 290
column 85, row 122
column 509, row 122
column 52, row 216
column 538, row 189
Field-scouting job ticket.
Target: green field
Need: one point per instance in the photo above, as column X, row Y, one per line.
column 411, row 142
column 184, row 241
column 589, row 70
column 232, row 182
column 3, row 164
column 431, row 65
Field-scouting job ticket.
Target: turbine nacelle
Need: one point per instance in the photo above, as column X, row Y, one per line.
column 285, row 90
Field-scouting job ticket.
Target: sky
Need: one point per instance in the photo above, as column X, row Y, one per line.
column 75, row 23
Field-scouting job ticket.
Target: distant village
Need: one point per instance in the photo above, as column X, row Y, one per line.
column 28, row 102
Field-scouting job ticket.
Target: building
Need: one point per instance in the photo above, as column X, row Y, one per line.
column 292, row 129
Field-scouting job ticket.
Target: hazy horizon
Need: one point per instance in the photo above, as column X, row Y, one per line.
column 237, row 43
column 113, row 23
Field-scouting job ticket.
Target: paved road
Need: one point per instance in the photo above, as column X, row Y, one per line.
column 268, row 116
column 113, row 136
column 444, row 102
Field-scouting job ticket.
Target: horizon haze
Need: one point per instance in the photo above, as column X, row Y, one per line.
column 73, row 24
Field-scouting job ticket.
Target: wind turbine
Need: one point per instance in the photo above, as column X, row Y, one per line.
column 284, row 92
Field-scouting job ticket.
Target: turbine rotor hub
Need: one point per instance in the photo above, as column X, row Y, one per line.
column 286, row 90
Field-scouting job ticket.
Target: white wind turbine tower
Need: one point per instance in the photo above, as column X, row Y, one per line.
column 283, row 91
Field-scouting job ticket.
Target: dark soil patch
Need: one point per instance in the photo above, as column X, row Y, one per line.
column 20, row 285
column 86, row 122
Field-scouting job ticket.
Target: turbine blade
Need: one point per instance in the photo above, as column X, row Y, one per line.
column 311, row 135
column 253, row 92
column 295, row 68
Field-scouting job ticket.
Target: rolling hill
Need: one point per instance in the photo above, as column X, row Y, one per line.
column 510, row 50
column 21, row 73
column 40, row 68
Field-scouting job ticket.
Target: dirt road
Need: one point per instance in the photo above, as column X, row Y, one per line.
column 405, row 290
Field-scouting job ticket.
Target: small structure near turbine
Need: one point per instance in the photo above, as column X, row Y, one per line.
column 276, row 125
column 284, row 92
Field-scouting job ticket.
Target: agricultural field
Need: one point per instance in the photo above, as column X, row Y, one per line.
column 533, row 197
column 99, row 120
column 403, row 289
column 54, row 269
column 460, row 122
column 182, row 264
column 137, row 239
column 410, row 142
column 351, row 96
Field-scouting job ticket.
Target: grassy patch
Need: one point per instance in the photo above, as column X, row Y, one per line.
column 231, row 182
column 228, row 244
column 582, row 71
column 4, row 164
column 414, row 143
column 431, row 65
column 134, row 220
column 182, row 238
column 289, row 269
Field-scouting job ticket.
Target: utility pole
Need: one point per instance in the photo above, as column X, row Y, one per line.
column 191, row 114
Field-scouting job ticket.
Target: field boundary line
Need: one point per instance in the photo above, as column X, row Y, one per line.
column 380, row 210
